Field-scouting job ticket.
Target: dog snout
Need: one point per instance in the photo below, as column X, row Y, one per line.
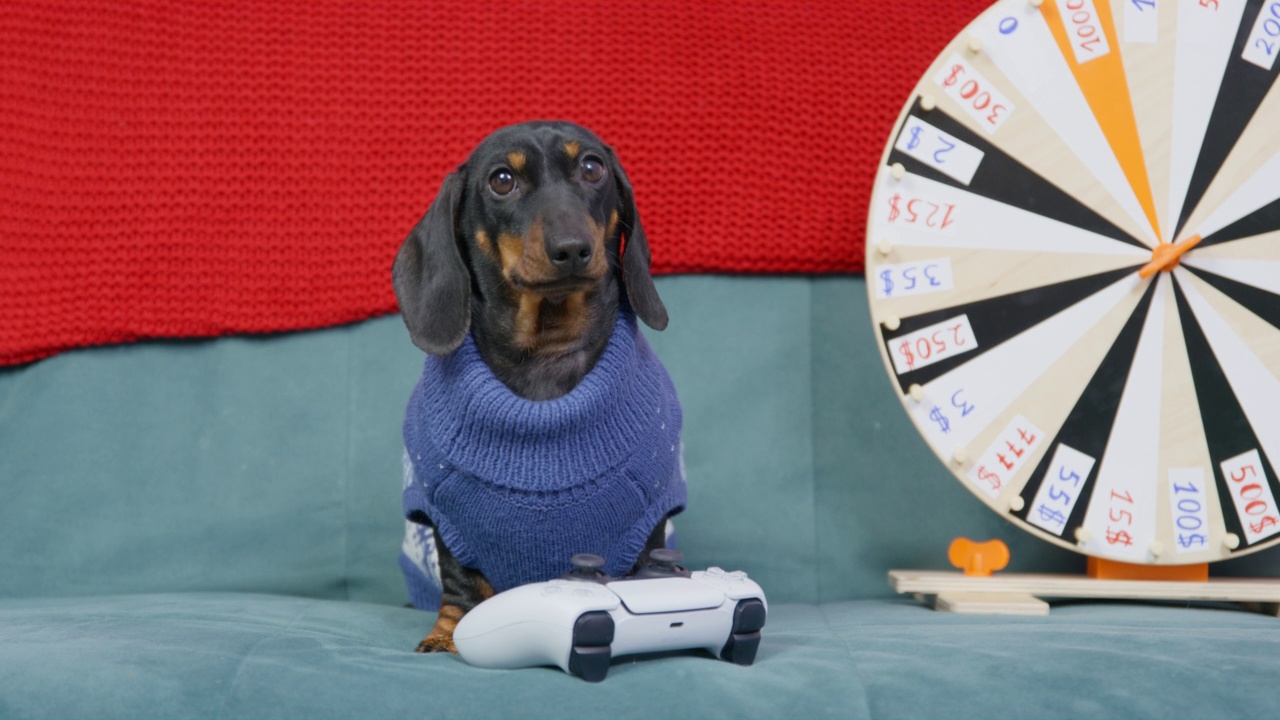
column 569, row 254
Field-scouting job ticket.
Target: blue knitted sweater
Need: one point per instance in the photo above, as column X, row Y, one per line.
column 515, row 487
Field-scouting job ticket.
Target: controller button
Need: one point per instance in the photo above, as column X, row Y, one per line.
column 737, row 576
column 714, row 571
column 551, row 590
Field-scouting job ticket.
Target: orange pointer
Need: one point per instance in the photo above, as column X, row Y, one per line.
column 1165, row 256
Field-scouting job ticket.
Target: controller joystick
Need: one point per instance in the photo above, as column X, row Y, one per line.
column 663, row 563
column 587, row 567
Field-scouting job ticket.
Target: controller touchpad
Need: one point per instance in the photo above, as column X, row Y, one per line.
column 643, row 597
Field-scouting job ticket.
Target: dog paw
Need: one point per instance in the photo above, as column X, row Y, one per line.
column 437, row 642
column 440, row 639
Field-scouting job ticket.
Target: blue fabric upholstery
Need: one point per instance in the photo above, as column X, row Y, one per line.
column 210, row 529
column 241, row 655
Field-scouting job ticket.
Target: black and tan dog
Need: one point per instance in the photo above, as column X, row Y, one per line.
column 523, row 248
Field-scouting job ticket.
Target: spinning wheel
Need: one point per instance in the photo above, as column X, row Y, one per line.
column 1074, row 269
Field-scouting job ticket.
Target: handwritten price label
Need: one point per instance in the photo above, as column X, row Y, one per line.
column 1204, row 24
column 1189, row 508
column 941, row 416
column 932, row 344
column 1084, row 30
column 1264, row 39
column 920, row 213
column 1060, row 489
column 1141, row 22
column 1120, row 515
column 1027, row 53
column 979, row 98
column 1006, row 456
column 939, row 150
column 1251, row 494
column 915, row 278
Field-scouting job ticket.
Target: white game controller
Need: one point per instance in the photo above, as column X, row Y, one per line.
column 584, row 619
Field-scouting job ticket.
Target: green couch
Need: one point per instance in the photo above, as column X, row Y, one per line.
column 210, row 528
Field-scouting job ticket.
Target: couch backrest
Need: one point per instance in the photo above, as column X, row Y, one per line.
column 273, row 463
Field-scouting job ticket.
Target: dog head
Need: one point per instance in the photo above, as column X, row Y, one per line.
column 537, row 214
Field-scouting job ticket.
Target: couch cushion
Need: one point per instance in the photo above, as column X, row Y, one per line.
column 237, row 655
column 273, row 463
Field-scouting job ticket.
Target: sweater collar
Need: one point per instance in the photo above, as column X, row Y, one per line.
column 484, row 429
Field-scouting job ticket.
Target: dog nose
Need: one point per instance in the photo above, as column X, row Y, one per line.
column 569, row 254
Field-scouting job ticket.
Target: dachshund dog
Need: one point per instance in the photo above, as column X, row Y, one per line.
column 523, row 248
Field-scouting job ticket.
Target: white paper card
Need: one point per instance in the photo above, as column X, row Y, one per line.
column 1251, row 495
column 1141, row 23
column 939, row 150
column 931, row 344
column 913, row 278
column 975, row 94
column 1060, row 489
column 1264, row 40
column 1189, row 509
column 1006, row 456
column 1084, row 29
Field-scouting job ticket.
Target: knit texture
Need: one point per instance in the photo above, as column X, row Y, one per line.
column 516, row 487
column 201, row 168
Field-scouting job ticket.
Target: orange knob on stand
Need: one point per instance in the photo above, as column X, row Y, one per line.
column 978, row 559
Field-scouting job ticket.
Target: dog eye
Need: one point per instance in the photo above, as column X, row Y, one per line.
column 592, row 169
column 502, row 182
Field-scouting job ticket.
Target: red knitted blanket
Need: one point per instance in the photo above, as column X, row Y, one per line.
column 199, row 168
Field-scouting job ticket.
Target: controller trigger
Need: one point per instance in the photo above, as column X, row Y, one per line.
column 744, row 639
column 592, row 637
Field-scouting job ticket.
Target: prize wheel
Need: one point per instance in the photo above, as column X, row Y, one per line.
column 1073, row 268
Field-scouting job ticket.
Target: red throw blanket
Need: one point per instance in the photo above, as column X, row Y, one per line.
column 187, row 169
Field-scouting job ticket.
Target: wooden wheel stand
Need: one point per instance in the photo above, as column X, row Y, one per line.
column 977, row 591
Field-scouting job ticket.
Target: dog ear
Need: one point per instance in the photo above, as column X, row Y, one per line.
column 431, row 281
column 635, row 256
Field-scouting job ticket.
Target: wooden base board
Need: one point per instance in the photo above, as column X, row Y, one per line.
column 990, row 603
column 1017, row 593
